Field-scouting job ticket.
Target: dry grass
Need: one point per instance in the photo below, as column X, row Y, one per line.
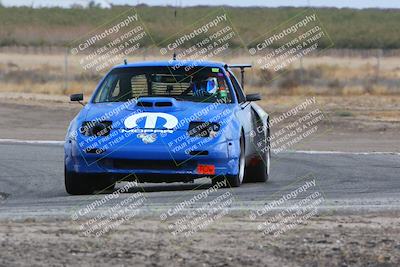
column 356, row 76
column 366, row 108
column 50, row 88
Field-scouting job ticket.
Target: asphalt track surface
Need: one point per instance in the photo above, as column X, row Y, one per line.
column 32, row 183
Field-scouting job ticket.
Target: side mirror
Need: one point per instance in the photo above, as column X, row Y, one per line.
column 76, row 97
column 253, row 97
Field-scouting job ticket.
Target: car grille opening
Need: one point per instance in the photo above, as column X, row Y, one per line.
column 129, row 164
column 199, row 152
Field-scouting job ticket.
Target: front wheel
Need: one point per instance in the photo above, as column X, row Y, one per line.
column 104, row 183
column 236, row 180
column 80, row 184
column 76, row 184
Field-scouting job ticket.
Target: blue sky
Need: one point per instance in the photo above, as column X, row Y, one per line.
column 270, row 3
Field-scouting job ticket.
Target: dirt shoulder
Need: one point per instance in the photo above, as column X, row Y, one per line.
column 351, row 123
column 35, row 117
column 353, row 240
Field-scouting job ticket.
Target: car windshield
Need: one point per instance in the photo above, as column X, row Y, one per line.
column 199, row 84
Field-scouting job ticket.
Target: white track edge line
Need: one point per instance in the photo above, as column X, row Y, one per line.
column 18, row 141
column 341, row 152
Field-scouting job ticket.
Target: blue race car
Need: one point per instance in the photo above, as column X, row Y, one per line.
column 168, row 121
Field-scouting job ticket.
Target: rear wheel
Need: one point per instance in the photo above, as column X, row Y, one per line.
column 259, row 167
column 259, row 172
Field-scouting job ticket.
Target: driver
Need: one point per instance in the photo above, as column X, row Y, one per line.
column 207, row 87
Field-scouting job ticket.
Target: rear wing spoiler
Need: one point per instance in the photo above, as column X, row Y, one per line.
column 241, row 67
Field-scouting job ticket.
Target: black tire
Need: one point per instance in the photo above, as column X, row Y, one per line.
column 77, row 184
column 258, row 171
column 236, row 180
column 104, row 183
column 217, row 179
column 233, row 181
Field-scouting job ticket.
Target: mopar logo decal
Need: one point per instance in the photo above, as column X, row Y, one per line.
column 150, row 120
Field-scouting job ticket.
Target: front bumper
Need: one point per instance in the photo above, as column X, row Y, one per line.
column 158, row 162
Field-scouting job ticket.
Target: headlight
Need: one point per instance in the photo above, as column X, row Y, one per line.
column 203, row 129
column 72, row 131
column 94, row 128
column 71, row 135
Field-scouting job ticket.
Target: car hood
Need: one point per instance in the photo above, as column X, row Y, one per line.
column 158, row 113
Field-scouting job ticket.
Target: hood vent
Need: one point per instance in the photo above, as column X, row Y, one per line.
column 144, row 104
column 151, row 102
column 163, row 104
